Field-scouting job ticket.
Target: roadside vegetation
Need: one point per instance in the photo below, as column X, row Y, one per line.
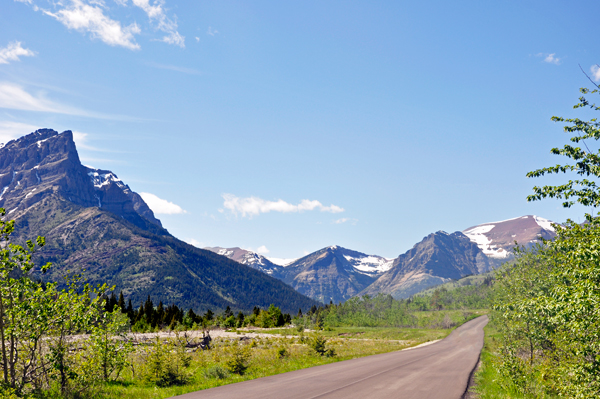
column 81, row 341
column 543, row 339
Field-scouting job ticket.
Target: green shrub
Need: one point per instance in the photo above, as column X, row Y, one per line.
column 164, row 366
column 218, row 372
column 318, row 344
column 282, row 352
column 237, row 362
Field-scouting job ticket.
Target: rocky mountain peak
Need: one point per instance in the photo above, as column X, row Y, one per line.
column 46, row 163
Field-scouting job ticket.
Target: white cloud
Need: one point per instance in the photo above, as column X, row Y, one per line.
column 195, row 243
column 156, row 13
column 595, row 69
column 197, row 39
column 550, row 58
column 84, row 17
column 13, row 96
column 345, row 220
column 254, row 206
column 262, row 250
column 161, row 206
column 212, row 31
column 13, row 51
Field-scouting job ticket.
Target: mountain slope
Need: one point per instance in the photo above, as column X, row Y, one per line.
column 333, row 273
column 92, row 221
column 438, row 258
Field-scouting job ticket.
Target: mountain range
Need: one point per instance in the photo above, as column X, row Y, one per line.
column 336, row 274
column 96, row 225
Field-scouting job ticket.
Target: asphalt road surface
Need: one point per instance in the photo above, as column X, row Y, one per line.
column 437, row 371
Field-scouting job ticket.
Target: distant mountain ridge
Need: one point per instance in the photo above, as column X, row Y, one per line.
column 248, row 258
column 336, row 274
column 93, row 221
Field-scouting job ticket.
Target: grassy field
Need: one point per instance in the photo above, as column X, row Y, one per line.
column 268, row 356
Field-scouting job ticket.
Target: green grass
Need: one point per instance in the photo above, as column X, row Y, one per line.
column 265, row 359
column 371, row 333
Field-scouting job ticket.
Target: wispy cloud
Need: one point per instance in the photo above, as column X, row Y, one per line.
column 14, row 96
column 345, row 220
column 252, row 206
column 156, row 14
column 13, row 51
column 211, row 31
column 90, row 17
column 161, row 206
column 595, row 70
column 94, row 18
column 189, row 71
column 550, row 58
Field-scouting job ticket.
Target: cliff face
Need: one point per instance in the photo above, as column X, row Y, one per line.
column 46, row 162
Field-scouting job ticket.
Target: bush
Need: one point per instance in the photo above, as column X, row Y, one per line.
column 282, row 352
column 318, row 344
column 163, row 367
column 237, row 362
column 216, row 372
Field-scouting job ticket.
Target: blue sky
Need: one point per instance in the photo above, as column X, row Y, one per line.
column 291, row 126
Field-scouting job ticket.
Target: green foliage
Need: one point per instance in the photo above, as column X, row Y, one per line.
column 217, row 371
column 164, row 365
column 282, row 352
column 317, row 343
column 546, row 305
column 237, row 362
column 38, row 321
column 108, row 348
column 383, row 310
column 586, row 163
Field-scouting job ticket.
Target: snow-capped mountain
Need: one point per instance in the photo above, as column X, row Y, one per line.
column 248, row 258
column 497, row 239
column 334, row 273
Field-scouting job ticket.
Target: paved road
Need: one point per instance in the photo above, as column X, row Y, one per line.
column 436, row 371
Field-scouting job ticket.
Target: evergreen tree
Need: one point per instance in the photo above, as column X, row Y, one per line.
column 121, row 303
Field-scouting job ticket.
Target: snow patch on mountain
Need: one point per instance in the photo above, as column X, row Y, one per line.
column 370, row 263
column 544, row 223
column 102, row 178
